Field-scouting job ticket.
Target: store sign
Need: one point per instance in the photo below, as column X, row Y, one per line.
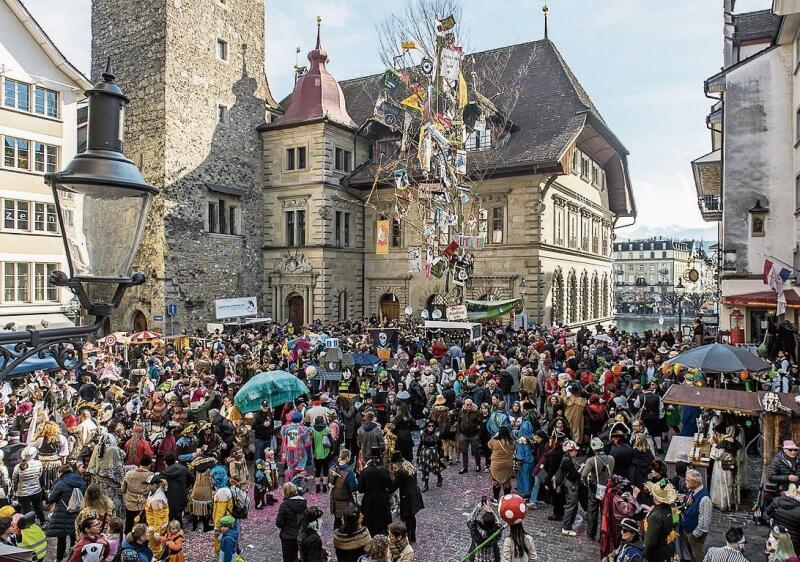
column 457, row 312
column 233, row 308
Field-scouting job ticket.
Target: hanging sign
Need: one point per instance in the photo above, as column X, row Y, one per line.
column 414, row 101
column 408, row 45
column 382, row 238
column 426, row 66
column 445, row 25
column 391, row 82
column 451, row 62
column 457, row 312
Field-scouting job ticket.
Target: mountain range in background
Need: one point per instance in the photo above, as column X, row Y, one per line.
column 637, row 232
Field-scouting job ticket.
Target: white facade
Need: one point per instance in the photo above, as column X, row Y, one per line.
column 39, row 91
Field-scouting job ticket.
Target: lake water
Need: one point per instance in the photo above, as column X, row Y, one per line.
column 646, row 323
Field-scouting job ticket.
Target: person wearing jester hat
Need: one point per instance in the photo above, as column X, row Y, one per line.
column 296, row 439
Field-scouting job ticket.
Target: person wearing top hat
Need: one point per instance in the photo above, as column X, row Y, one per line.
column 631, row 548
column 411, row 501
column 376, row 484
column 622, row 452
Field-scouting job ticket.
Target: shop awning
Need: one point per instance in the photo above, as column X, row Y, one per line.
column 764, row 299
column 743, row 402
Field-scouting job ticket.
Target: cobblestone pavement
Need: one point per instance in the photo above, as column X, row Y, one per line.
column 442, row 534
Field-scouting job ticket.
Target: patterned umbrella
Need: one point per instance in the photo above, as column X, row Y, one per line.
column 144, row 337
column 278, row 387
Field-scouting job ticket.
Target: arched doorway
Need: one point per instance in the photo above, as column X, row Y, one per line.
column 390, row 307
column 139, row 321
column 295, row 306
column 436, row 302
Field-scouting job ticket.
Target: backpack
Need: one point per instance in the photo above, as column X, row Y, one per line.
column 126, row 555
column 75, row 501
column 241, row 503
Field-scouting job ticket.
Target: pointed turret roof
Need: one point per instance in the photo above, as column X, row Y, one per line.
column 317, row 94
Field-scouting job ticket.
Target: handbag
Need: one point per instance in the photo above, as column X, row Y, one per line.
column 600, row 492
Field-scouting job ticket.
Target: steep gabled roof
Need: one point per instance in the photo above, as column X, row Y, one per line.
column 47, row 45
column 762, row 24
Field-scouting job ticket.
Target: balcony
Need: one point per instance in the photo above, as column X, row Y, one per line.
column 710, row 208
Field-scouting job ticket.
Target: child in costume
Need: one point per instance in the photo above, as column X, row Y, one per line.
column 271, row 471
column 173, row 542
column 260, row 485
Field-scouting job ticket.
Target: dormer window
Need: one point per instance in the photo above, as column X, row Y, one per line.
column 480, row 138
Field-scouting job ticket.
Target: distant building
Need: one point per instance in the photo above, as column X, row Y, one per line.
column 749, row 183
column 39, row 93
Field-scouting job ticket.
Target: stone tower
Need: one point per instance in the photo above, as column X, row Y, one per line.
column 194, row 72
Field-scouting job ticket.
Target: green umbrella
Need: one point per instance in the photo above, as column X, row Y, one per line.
column 277, row 387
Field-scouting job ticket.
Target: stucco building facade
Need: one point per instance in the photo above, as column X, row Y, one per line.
column 39, row 94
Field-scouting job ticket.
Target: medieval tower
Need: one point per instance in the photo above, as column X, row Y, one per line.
column 194, row 73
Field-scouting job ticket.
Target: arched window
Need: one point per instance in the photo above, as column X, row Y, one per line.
column 596, row 297
column 342, row 306
column 584, row 297
column 606, row 297
column 572, row 298
column 558, row 297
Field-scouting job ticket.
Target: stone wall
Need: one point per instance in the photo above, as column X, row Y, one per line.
column 169, row 67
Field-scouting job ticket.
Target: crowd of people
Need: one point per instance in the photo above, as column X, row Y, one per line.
column 114, row 459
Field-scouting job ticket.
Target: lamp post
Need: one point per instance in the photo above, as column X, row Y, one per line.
column 523, row 286
column 679, row 290
column 102, row 202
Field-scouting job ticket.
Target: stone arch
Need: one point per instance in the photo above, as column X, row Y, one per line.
column 572, row 297
column 596, row 296
column 584, row 298
column 558, row 297
column 137, row 320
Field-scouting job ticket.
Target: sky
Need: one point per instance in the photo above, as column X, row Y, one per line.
column 642, row 62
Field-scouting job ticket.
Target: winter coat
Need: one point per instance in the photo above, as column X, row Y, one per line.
column 62, row 522
column 641, row 464
column 780, row 469
column 178, row 478
column 785, row 511
column 369, row 435
column 469, row 422
column 410, row 496
column 659, row 537
column 623, row 458
column 228, row 545
column 310, row 548
column 144, row 552
column 289, row 515
column 376, row 485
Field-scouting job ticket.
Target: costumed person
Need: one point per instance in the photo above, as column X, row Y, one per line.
column 501, row 467
column 156, row 510
column 237, row 467
column 84, row 432
column 429, row 455
column 202, row 494
column 524, row 460
column 26, row 483
column 271, row 471
column 343, row 487
column 725, row 489
column 595, row 473
column 222, row 504
column 375, row 483
column 137, row 447
column 411, row 502
column 631, row 548
column 107, row 470
column 53, row 451
column 659, row 526
column 518, row 546
column 352, row 539
column 260, row 485
column 308, row 540
column 484, row 526
column 173, row 542
column 574, row 407
column 92, row 544
column 295, row 441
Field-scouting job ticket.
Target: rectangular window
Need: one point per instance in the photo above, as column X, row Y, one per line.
column 46, row 102
column 347, row 230
column 301, row 157
column 233, row 222
column 595, row 175
column 17, row 286
column 586, row 166
column 585, row 236
column 16, row 153
column 397, row 233
column 497, row 225
column 44, row 217
column 43, row 290
column 295, row 228
column 45, row 157
column 222, row 113
column 479, row 139
column 338, row 229
column 212, row 217
column 17, row 95
column 572, row 232
column 16, row 215
column 343, row 159
column 290, row 159
column 223, row 217
column 222, row 49
column 576, row 162
column 558, row 235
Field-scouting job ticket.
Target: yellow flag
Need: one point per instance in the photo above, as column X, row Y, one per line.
column 414, row 101
column 462, row 90
column 382, row 238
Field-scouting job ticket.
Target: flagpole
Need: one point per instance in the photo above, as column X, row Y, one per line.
column 773, row 258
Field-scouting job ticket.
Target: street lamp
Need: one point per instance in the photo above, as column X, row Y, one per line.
column 102, row 201
column 679, row 290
